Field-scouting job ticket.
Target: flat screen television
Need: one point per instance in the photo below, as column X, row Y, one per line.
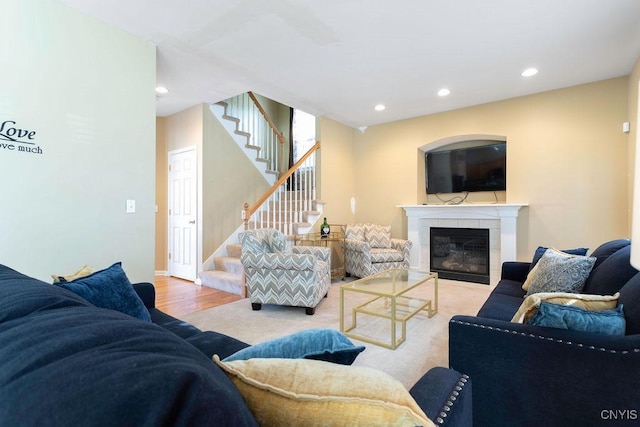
column 467, row 169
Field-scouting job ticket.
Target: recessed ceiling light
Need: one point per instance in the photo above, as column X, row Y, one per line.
column 162, row 90
column 444, row 92
column 529, row 72
column 379, row 107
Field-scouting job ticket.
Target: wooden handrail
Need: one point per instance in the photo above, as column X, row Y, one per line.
column 267, row 118
column 248, row 211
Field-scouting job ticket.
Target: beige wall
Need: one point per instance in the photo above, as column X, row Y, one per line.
column 93, row 111
column 229, row 180
column 336, row 161
column 226, row 178
column 162, row 197
column 567, row 158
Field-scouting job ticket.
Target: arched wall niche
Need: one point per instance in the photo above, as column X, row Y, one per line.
column 423, row 198
column 434, row 145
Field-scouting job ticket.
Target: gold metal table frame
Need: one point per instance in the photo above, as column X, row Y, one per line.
column 390, row 301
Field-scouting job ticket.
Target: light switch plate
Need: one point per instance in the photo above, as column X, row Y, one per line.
column 131, row 206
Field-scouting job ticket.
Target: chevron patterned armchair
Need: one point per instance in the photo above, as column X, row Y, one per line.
column 369, row 249
column 300, row 278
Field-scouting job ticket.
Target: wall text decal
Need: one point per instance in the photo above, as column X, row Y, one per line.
column 13, row 138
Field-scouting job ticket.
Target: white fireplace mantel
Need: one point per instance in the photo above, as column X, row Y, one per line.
column 500, row 218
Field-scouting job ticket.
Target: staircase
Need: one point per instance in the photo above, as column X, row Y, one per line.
column 228, row 274
column 291, row 212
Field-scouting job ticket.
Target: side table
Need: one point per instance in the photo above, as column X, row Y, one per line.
column 336, row 237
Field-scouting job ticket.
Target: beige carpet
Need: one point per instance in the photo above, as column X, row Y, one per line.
column 426, row 345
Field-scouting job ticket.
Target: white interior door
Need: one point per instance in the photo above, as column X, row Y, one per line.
column 182, row 214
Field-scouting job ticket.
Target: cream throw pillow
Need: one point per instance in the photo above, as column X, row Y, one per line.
column 83, row 272
column 303, row 392
column 530, row 305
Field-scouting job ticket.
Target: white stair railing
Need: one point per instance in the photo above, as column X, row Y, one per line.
column 284, row 205
column 255, row 122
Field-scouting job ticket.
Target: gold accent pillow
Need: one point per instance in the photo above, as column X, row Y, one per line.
column 303, row 392
column 530, row 305
column 83, row 272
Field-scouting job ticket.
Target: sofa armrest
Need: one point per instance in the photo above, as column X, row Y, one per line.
column 445, row 397
column 403, row 246
column 147, row 293
column 515, row 270
column 321, row 253
column 357, row 246
column 533, row 375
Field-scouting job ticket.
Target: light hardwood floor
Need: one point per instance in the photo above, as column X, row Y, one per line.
column 178, row 297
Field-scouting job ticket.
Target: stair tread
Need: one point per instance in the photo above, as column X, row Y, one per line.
column 220, row 273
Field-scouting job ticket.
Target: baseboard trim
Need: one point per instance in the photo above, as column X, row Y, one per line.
column 162, row 273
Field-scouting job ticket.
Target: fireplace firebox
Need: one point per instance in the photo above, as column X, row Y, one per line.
column 460, row 253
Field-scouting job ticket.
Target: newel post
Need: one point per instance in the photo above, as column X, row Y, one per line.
column 245, row 215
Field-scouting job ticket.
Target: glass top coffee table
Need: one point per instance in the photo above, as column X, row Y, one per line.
column 395, row 295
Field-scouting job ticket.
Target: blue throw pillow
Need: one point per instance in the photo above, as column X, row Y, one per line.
column 319, row 344
column 609, row 322
column 541, row 250
column 109, row 288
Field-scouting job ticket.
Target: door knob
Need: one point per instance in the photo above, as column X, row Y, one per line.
column 192, row 221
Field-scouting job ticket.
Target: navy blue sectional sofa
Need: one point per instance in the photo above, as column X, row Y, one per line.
column 526, row 375
column 67, row 362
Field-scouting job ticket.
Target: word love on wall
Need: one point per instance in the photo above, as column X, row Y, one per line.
column 14, row 138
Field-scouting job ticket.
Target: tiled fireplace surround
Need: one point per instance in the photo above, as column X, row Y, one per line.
column 500, row 219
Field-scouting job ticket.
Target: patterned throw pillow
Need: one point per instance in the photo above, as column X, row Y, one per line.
column 538, row 255
column 354, row 232
column 531, row 303
column 560, row 273
column 378, row 236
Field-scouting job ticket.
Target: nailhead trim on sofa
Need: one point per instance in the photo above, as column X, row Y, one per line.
column 453, row 397
column 589, row 347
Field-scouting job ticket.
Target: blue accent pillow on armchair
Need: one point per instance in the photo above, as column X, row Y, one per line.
column 609, row 322
column 109, row 288
column 319, row 344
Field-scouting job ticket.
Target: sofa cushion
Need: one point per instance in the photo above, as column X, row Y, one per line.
column 378, row 236
column 386, row 255
column 612, row 274
column 607, row 249
column 500, row 307
column 558, row 272
column 317, row 343
column 292, row 392
column 531, row 303
column 109, row 288
column 509, row 287
column 608, row 322
column 22, row 295
column 81, row 364
column 630, row 298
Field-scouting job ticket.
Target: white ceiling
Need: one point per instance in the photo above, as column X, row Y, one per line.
column 339, row 58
